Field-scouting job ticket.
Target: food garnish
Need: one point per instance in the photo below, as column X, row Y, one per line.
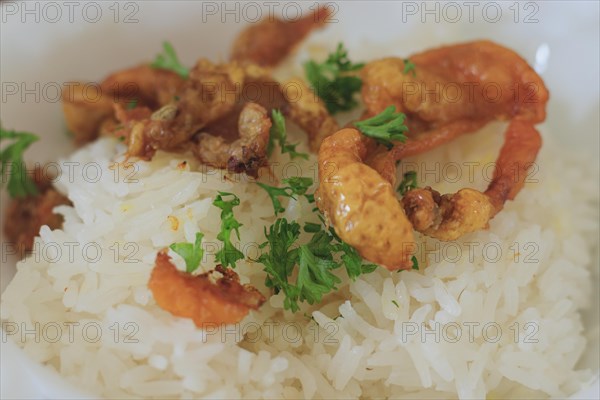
column 295, row 186
column 409, row 67
column 385, row 127
column 229, row 254
column 314, row 261
column 190, row 252
column 19, row 183
column 333, row 80
column 409, row 182
column 168, row 60
column 278, row 134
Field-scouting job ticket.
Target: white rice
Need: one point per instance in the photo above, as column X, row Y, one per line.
column 375, row 337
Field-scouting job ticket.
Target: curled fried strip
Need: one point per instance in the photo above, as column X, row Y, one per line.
column 522, row 142
column 436, row 115
column 82, row 116
column 360, row 204
column 356, row 178
column 212, row 111
column 309, row 112
column 247, row 153
column 450, row 216
column 476, row 80
column 268, row 42
column 204, row 300
column 87, row 107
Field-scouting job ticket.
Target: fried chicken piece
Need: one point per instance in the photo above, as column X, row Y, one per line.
column 200, row 297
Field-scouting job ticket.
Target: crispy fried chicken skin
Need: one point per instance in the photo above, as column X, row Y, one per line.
column 200, row 297
column 25, row 216
column 356, row 177
column 88, row 107
column 247, row 153
column 222, row 111
column 268, row 42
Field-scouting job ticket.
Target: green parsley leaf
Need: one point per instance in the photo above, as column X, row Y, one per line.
column 278, row 133
column 168, row 60
column 20, row 183
column 315, row 262
column 190, row 252
column 353, row 262
column 228, row 255
column 415, row 263
column 409, row 67
column 311, row 227
column 333, row 81
column 296, row 186
column 385, row 127
column 280, row 260
column 314, row 276
column 409, row 182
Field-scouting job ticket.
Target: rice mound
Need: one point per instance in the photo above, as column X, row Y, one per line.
column 495, row 314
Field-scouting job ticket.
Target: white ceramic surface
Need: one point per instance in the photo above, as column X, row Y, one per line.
column 48, row 45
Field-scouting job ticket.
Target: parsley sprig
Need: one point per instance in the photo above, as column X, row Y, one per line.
column 333, row 81
column 229, row 254
column 409, row 182
column 385, row 127
column 278, row 134
column 296, row 186
column 190, row 252
column 168, row 60
column 415, row 263
column 409, row 67
column 314, row 261
column 20, row 183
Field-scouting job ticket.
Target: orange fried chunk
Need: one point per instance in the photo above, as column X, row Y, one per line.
column 200, row 297
column 25, row 216
column 268, row 42
column 360, row 203
column 87, row 106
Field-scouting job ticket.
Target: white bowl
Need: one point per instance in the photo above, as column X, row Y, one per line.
column 46, row 44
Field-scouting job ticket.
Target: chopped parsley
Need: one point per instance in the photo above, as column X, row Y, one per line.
column 385, row 127
column 333, row 81
column 353, row 261
column 408, row 183
column 20, row 183
column 168, row 60
column 409, row 67
column 394, row 302
column 295, row 186
column 415, row 263
column 229, row 254
column 190, row 252
column 278, row 134
column 314, row 262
